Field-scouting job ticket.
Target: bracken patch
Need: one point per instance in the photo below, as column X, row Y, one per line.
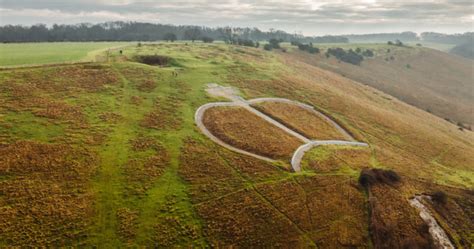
column 242, row 129
column 301, row 120
column 45, row 198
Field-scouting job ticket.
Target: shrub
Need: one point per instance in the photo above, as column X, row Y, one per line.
column 346, row 56
column 268, row 47
column 390, row 43
column 274, row 43
column 358, row 50
column 295, row 43
column 368, row 53
column 369, row 177
column 207, row 39
column 309, row 48
column 257, row 44
column 247, row 43
column 439, row 197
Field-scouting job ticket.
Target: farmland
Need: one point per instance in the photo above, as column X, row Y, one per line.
column 108, row 155
column 17, row 54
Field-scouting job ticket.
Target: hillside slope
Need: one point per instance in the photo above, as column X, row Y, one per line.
column 465, row 50
column 428, row 79
column 109, row 155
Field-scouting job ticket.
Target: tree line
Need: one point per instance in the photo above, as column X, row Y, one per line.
column 137, row 31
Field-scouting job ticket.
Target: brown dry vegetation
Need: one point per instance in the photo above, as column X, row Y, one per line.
column 127, row 227
column 301, row 120
column 393, row 222
column 165, row 113
column 45, row 197
column 334, row 157
column 243, row 219
column 172, row 229
column 331, row 209
column 144, row 79
column 456, row 215
column 206, row 172
column 435, row 80
column 243, row 129
column 403, row 137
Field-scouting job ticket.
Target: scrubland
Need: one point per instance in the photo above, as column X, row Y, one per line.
column 108, row 155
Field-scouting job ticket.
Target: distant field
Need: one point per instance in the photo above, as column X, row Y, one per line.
column 438, row 46
column 16, row 54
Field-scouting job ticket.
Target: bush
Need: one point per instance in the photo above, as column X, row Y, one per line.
column 268, row 47
column 295, row 43
column 370, row 177
column 247, row 43
column 368, row 53
column 346, row 56
column 274, row 43
column 206, row 39
column 309, row 48
column 358, row 50
column 439, row 197
column 257, row 44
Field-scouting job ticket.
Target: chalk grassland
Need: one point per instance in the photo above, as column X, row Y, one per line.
column 431, row 80
column 301, row 120
column 17, row 54
column 245, row 130
column 108, row 155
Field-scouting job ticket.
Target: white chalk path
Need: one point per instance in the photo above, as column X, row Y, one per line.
column 439, row 236
column 232, row 94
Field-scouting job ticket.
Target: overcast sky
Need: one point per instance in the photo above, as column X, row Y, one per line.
column 309, row 17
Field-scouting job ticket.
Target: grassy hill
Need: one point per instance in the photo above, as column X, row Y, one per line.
column 428, row 79
column 108, row 155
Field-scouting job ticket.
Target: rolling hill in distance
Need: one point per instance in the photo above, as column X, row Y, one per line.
column 431, row 80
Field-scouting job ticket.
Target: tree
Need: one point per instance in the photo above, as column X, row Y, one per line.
column 192, row 34
column 275, row 43
column 207, row 39
column 268, row 47
column 171, row 37
column 226, row 34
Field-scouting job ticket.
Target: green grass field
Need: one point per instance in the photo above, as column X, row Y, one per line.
column 17, row 54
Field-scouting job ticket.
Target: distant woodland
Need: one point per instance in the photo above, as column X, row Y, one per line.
column 135, row 31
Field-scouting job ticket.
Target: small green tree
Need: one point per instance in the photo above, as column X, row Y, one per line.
column 268, row 47
column 170, row 37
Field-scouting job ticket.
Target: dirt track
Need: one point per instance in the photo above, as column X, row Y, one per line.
column 232, row 94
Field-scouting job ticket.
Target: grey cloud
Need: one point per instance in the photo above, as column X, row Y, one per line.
column 311, row 17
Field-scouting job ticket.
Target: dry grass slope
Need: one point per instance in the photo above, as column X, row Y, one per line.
column 301, row 120
column 244, row 130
